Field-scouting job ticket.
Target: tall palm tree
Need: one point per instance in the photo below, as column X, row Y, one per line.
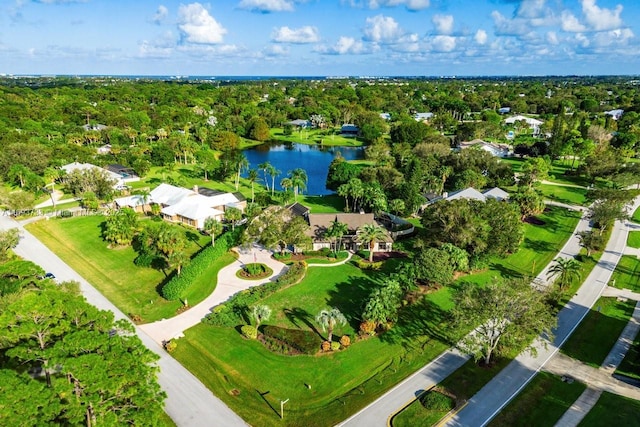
column 299, row 180
column 243, row 163
column 328, row 319
column 273, row 173
column 213, row 227
column 252, row 177
column 286, row 184
column 337, row 230
column 369, row 234
column 566, row 270
column 264, row 167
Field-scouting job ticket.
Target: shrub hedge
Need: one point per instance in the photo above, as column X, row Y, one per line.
column 236, row 309
column 174, row 289
column 249, row 331
column 305, row 342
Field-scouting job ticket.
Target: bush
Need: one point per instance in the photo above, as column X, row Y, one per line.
column 66, row 214
column 305, row 342
column 436, row 401
column 282, row 257
column 367, row 328
column 335, row 346
column 326, row 346
column 249, row 332
column 170, row 346
column 325, row 252
column 236, row 309
column 363, row 264
column 174, row 289
column 345, row 341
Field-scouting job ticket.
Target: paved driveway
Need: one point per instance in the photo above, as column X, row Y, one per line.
column 189, row 403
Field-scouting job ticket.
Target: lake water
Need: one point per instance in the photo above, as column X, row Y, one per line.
column 313, row 159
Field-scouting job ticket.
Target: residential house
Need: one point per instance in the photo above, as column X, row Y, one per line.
column 95, row 127
column 497, row 150
column 504, row 110
column 385, row 116
column 300, row 123
column 534, row 124
column 349, row 129
column 615, row 114
column 119, row 181
column 470, row 193
column 127, row 174
column 320, row 223
column 422, row 117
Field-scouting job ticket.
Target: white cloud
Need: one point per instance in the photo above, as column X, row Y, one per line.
column 306, row 34
column 443, row 43
column 552, row 38
column 443, row 23
column 601, row 19
column 344, row 46
column 412, row 5
column 160, row 15
column 570, row 23
column 481, row 37
column 198, row 26
column 613, row 37
column 267, row 6
column 150, row 50
column 531, row 9
column 509, row 27
column 276, row 50
column 382, row 29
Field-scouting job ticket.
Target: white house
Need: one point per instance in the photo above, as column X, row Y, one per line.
column 421, row 117
column 615, row 114
column 497, row 150
column 534, row 124
column 69, row 168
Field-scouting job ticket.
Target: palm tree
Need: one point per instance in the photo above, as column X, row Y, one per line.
column 261, row 313
column 286, row 184
column 213, row 227
column 252, row 177
column 273, row 173
column 299, row 180
column 396, row 206
column 337, row 230
column 369, row 234
column 264, row 167
column 233, row 214
column 328, row 319
column 243, row 163
column 145, row 196
column 566, row 270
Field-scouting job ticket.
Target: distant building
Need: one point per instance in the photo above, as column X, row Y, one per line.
column 300, row 123
column 119, row 181
column 385, row 116
column 97, row 127
column 534, row 124
column 504, row 110
column 497, row 150
column 349, row 129
column 615, row 114
column 421, row 117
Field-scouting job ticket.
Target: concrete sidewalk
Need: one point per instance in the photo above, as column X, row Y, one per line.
column 228, row 285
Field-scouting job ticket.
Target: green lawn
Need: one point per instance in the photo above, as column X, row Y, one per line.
column 560, row 172
column 633, row 239
column 541, row 403
column 613, row 410
column 316, row 136
column 627, row 274
column 570, row 195
column 417, row 415
column 341, row 382
column 133, row 289
column 636, row 216
column 598, row 332
column 630, row 365
column 323, row 204
column 540, row 246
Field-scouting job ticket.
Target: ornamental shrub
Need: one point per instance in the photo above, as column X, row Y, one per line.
column 335, row 346
column 170, row 346
column 249, row 332
column 326, row 346
column 364, row 264
column 175, row 288
column 436, row 401
column 367, row 328
column 345, row 341
column 302, row 341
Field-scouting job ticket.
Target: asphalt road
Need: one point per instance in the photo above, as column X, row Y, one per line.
column 189, row 403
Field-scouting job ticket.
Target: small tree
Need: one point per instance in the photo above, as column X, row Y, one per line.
column 213, row 227
column 261, row 313
column 369, row 234
column 328, row 319
column 9, row 239
column 591, row 241
column 566, row 270
column 233, row 215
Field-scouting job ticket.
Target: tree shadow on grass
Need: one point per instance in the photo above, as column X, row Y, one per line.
column 507, row 272
column 351, row 296
column 423, row 319
column 193, row 237
column 262, row 395
column 538, row 246
column 297, row 314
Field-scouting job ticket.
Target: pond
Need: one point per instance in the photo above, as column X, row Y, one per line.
column 314, row 159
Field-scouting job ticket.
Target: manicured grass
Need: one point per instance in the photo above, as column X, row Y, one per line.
column 417, row 415
column 540, row 246
column 627, row 274
column 467, row 380
column 570, row 195
column 341, row 382
column 630, row 365
column 133, row 289
column 342, row 255
column 557, row 173
column 323, row 204
column 633, row 239
column 541, row 403
column 316, row 136
column 636, row 216
column 613, row 410
column 596, row 334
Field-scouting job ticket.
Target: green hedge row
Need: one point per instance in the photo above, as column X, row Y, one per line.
column 175, row 288
column 237, row 309
column 306, row 342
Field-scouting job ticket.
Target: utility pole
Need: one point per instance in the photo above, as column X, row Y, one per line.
column 282, row 402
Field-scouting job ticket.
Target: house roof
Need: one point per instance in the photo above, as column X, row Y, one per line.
column 496, row 193
column 349, row 128
column 529, row 120
column 130, row 201
column 298, row 209
column 88, row 166
column 300, row 123
column 167, row 194
column 422, row 116
column 495, row 149
column 320, row 223
column 468, row 193
column 196, row 207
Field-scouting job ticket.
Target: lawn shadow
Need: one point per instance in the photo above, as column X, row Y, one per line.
column 538, row 246
column 297, row 314
column 350, row 297
column 193, row 237
column 262, row 395
column 506, row 272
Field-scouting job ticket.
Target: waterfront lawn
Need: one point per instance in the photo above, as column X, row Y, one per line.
column 569, row 195
column 627, row 274
column 317, row 136
column 613, row 410
column 598, row 331
column 540, row 246
column 133, row 289
column 633, row 239
column 323, row 389
column 541, row 403
column 323, row 204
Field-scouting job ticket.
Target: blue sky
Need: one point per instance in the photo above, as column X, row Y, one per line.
column 320, row 37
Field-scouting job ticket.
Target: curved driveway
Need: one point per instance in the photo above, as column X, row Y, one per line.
column 189, row 402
